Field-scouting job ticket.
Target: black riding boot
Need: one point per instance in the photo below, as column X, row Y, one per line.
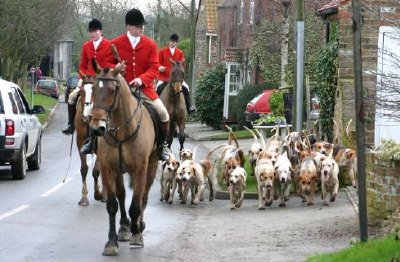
column 69, row 129
column 88, row 145
column 191, row 109
column 162, row 147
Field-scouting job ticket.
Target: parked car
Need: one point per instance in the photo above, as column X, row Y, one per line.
column 258, row 105
column 20, row 131
column 47, row 87
column 72, row 83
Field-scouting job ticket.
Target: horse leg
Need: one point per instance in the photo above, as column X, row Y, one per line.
column 123, row 233
column 181, row 135
column 171, row 131
column 135, row 210
column 111, row 248
column 98, row 194
column 84, row 170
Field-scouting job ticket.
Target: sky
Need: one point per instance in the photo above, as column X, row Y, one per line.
column 142, row 4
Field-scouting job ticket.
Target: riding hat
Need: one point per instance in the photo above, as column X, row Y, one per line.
column 174, row 37
column 134, row 17
column 95, row 25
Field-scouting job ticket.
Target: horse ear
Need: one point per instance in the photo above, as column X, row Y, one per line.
column 96, row 66
column 119, row 68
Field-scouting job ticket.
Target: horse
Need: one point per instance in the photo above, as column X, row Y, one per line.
column 126, row 143
column 81, row 123
column 173, row 99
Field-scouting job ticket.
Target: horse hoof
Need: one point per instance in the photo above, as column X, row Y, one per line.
column 124, row 235
column 98, row 196
column 136, row 241
column 111, row 250
column 84, row 202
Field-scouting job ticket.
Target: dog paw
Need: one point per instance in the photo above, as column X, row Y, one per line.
column 333, row 199
column 183, row 202
column 268, row 203
column 282, row 205
column 261, row 208
column 310, row 204
column 303, row 200
column 233, row 208
column 286, row 199
column 238, row 205
column 170, row 201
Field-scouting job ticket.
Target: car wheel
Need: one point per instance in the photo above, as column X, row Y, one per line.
column 18, row 168
column 36, row 159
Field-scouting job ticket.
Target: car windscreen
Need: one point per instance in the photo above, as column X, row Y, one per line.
column 46, row 84
column 73, row 81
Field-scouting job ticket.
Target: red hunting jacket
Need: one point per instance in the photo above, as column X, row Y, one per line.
column 163, row 55
column 102, row 54
column 140, row 62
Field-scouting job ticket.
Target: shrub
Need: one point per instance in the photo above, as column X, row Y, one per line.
column 244, row 96
column 276, row 103
column 388, row 150
column 210, row 96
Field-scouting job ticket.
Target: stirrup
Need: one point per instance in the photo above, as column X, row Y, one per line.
column 163, row 152
column 192, row 109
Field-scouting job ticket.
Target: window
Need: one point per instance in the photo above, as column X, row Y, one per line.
column 23, row 99
column 251, row 12
column 18, row 101
column 13, row 104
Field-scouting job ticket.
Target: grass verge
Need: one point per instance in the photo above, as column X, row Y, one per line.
column 48, row 102
column 382, row 249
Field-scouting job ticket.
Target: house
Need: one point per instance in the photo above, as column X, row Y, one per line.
column 380, row 44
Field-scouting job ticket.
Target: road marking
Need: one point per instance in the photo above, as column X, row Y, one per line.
column 55, row 188
column 14, row 211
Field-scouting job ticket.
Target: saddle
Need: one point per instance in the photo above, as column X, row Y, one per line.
column 153, row 113
column 161, row 87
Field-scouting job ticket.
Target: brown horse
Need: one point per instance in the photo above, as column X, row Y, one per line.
column 82, row 119
column 126, row 143
column 174, row 101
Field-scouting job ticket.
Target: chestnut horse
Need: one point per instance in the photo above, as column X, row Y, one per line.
column 126, row 143
column 173, row 99
column 82, row 119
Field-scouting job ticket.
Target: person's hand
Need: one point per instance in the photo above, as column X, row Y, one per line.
column 137, row 82
column 161, row 69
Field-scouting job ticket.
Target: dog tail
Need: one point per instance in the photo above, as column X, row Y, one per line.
column 348, row 129
column 194, row 151
column 252, row 133
column 232, row 136
column 213, row 149
column 261, row 138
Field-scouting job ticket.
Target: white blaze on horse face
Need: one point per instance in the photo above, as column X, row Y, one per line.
column 87, row 109
column 101, row 85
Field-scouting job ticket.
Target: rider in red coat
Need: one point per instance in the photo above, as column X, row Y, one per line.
column 141, row 59
column 99, row 48
column 164, row 55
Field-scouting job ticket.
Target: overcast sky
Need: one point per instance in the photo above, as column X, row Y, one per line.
column 142, row 4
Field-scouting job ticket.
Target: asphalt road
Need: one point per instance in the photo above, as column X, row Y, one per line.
column 40, row 219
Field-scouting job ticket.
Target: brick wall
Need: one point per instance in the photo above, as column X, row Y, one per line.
column 383, row 190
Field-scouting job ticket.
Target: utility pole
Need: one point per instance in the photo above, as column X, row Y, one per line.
column 299, row 64
column 356, row 5
column 192, row 45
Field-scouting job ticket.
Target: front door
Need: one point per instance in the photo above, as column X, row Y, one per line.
column 232, row 84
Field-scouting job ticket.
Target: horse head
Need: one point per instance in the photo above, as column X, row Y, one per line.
column 105, row 95
column 177, row 76
column 86, row 95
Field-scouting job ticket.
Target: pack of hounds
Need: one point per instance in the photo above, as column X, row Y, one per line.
column 274, row 163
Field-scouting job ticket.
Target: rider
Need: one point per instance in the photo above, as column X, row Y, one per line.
column 165, row 54
column 99, row 48
column 140, row 54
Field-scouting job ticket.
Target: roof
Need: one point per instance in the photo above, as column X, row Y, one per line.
column 211, row 14
column 331, row 8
